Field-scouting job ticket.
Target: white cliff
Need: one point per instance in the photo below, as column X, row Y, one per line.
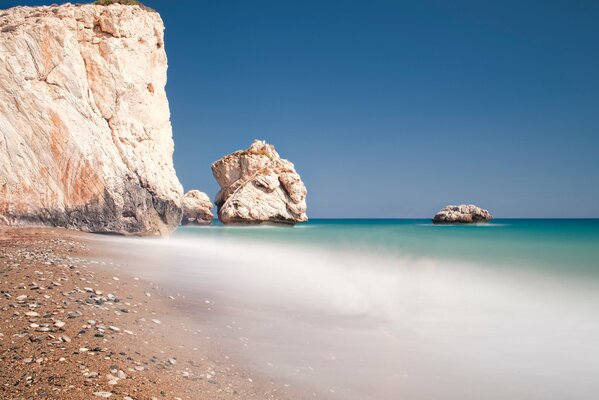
column 85, row 133
column 258, row 186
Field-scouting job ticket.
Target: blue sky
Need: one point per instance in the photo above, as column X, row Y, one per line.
column 394, row 108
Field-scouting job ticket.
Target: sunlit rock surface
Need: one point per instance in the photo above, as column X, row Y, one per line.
column 462, row 214
column 85, row 133
column 197, row 208
column 258, row 186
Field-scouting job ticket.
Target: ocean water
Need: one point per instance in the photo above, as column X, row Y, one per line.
column 563, row 245
column 397, row 309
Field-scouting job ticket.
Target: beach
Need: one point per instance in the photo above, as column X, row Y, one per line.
column 329, row 309
column 78, row 328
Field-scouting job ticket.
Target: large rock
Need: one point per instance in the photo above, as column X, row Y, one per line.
column 462, row 214
column 257, row 186
column 197, row 208
column 85, row 133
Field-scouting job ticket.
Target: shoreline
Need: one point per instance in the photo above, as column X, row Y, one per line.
column 75, row 327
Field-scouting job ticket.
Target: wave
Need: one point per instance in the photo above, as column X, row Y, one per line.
column 345, row 314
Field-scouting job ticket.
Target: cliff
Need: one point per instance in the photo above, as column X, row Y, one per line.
column 85, row 133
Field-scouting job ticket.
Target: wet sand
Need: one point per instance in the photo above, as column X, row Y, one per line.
column 75, row 326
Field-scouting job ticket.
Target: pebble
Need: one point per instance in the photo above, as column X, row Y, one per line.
column 31, row 314
column 59, row 324
column 103, row 394
column 21, row 297
column 156, row 321
column 115, row 278
column 172, row 361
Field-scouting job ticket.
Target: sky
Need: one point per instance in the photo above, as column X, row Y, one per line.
column 393, row 108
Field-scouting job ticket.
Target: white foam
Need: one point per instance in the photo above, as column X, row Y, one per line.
column 378, row 326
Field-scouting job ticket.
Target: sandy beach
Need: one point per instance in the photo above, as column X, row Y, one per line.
column 74, row 326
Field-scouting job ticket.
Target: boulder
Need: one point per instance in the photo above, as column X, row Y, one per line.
column 197, row 208
column 462, row 214
column 258, row 186
column 85, row 132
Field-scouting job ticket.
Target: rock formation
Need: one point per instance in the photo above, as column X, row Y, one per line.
column 462, row 214
column 197, row 208
column 257, row 186
column 85, row 133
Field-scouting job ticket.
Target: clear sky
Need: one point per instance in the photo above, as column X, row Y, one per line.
column 394, row 108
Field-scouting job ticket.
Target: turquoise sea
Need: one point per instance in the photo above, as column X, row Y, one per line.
column 396, row 309
column 569, row 246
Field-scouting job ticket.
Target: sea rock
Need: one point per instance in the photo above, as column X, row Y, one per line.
column 85, row 133
column 462, row 214
column 257, row 186
column 197, row 208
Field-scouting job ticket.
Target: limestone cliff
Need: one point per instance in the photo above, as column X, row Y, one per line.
column 258, row 186
column 85, row 133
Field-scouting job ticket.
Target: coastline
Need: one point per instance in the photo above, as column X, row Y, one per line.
column 86, row 329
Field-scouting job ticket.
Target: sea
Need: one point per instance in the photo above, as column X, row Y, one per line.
column 398, row 308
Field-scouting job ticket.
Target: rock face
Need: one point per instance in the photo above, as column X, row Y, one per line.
column 85, row 133
column 258, row 186
column 197, row 208
column 462, row 214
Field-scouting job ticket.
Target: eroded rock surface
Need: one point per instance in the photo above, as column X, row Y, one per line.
column 462, row 214
column 85, row 133
column 258, row 186
column 197, row 208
